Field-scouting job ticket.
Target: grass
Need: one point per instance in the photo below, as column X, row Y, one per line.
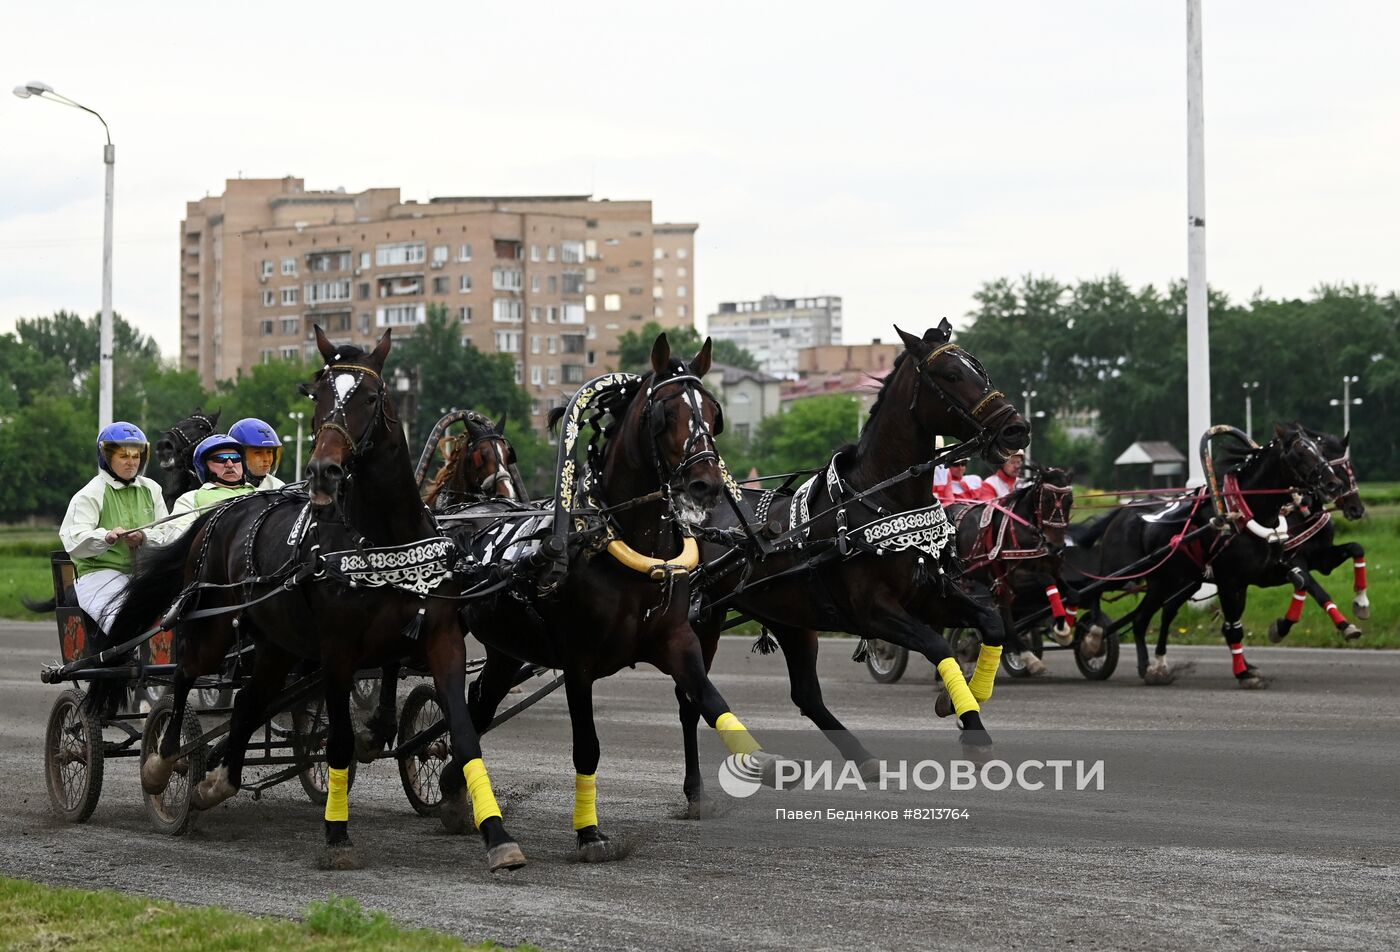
column 36, row 917
column 24, row 570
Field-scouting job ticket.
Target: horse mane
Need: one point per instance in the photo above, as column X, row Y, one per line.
column 453, row 467
column 884, row 389
column 1239, row 454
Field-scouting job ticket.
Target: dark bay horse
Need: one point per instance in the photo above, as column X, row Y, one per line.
column 175, row 452
column 656, row 470
column 1258, row 496
column 894, row 591
column 355, row 575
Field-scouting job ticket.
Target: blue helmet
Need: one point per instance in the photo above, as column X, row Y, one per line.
column 250, row 431
column 207, row 447
column 117, row 434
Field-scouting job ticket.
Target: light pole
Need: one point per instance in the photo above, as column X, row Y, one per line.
column 299, row 416
column 1197, row 311
column 1249, row 389
column 1026, row 396
column 1347, row 402
column 109, row 158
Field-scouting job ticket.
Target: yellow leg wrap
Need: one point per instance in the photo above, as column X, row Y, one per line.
column 953, row 680
column 735, row 735
column 484, row 805
column 338, row 795
column 585, row 800
column 988, row 658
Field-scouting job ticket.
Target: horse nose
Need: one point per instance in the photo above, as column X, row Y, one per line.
column 703, row 490
column 324, row 471
column 1015, row 436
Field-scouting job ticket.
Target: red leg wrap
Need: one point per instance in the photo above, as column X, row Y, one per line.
column 1057, row 607
column 1360, row 569
column 1335, row 614
column 1237, row 659
column 1295, row 608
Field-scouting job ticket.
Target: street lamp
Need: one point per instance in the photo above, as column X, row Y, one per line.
column 1026, row 396
column 34, row 88
column 299, row 416
column 1347, row 402
column 1249, row 389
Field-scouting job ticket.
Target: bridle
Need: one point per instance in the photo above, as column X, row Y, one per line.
column 185, row 441
column 1061, row 499
column 337, row 419
column 699, row 445
column 502, row 452
column 972, row 415
column 1311, row 481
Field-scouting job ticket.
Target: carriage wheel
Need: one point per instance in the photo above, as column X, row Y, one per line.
column 421, row 771
column 966, row 645
column 885, row 660
column 73, row 757
column 172, row 810
column 212, row 697
column 1011, row 661
column 310, row 732
column 364, row 693
column 1097, row 667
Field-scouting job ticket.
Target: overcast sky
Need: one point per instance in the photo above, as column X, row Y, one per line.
column 897, row 154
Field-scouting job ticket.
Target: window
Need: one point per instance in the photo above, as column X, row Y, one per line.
column 464, row 315
column 534, row 252
column 741, row 430
column 553, row 284
column 658, row 253
column 573, row 282
column 366, row 321
column 592, row 358
column 590, row 275
column 612, row 302
column 681, row 253
column 682, row 311
column 519, row 373
column 534, row 343
column 535, row 315
column 290, row 325
column 289, row 296
column 440, row 254
column 658, row 274
column 535, row 283
column 680, row 272
column 681, row 291
column 592, row 332
column 536, row 375
column 590, row 249
column 590, row 303
column 508, row 342
column 464, row 253
column 464, row 284
column 573, row 314
column 571, row 343
column 364, row 259
column 573, row 373
column 266, row 328
column 507, row 279
column 319, row 292
column 399, row 315
column 267, row 355
column 290, row 353
column 549, row 253
column 554, row 345
column 507, row 311
column 658, row 311
column 269, row 297
column 658, row 292
column 342, row 322
column 571, row 252
column 266, row 271
column 553, row 376
column 439, row 285
column 289, row 266
column 404, row 252
column 551, row 315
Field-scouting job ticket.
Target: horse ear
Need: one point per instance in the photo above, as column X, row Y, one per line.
column 214, row 418
column 500, row 429
column 661, row 355
column 381, row 349
column 945, row 330
column 910, row 341
column 1280, row 431
column 700, row 363
column 324, row 345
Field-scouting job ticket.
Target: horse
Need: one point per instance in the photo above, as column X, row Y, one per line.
column 353, row 572
column 1257, row 501
column 864, row 547
column 175, row 451
column 651, row 476
column 1014, row 543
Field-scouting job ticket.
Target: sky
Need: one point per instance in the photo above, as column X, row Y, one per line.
column 896, row 154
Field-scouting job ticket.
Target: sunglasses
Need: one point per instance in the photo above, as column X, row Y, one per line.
column 227, row 458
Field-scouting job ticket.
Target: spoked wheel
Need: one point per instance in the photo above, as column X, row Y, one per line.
column 310, row 731
column 421, row 771
column 885, row 660
column 73, row 755
column 172, row 810
column 1097, row 667
column 212, row 696
column 966, row 644
column 1011, row 661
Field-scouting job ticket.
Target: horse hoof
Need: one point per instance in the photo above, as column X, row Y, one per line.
column 1063, row 635
column 504, row 856
column 1276, row 633
column 1034, row 666
column 701, row 808
column 1351, row 632
column 943, row 705
column 1251, row 680
column 455, row 812
column 213, row 790
column 340, row 857
column 1360, row 609
column 1092, row 642
column 155, row 774
column 1159, row 674
column 367, row 746
column 594, row 847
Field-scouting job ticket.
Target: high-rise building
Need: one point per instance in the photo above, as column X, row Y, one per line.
column 773, row 329
column 673, row 274
column 553, row 281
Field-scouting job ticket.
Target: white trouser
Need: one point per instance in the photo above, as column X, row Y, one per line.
column 101, row 593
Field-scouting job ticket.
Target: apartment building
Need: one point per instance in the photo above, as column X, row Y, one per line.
column 553, row 281
column 673, row 274
column 774, row 329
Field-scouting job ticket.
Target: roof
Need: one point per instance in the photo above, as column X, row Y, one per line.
column 1149, row 451
column 729, row 374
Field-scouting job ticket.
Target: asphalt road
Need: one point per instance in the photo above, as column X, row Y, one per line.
column 1221, row 860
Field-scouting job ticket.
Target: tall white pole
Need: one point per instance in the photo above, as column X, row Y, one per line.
column 1346, row 405
column 1197, row 317
column 104, row 371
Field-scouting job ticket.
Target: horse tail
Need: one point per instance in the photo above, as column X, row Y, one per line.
column 158, row 576
column 1086, row 534
column 39, row 607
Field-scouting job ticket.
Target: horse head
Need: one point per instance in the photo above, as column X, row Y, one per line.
column 1052, row 490
column 352, row 412
column 175, row 446
column 952, row 394
column 1307, row 464
column 480, row 464
column 1337, row 449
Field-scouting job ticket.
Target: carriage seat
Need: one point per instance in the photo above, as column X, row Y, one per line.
column 76, row 628
column 1176, row 512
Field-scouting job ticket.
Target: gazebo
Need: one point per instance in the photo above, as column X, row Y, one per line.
column 1168, row 466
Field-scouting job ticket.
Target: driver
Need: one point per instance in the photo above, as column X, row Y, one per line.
column 1004, row 479
column 95, row 528
column 262, row 452
column 218, row 460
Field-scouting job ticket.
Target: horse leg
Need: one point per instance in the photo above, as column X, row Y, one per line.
column 590, row 843
column 991, row 621
column 340, row 853
column 1142, row 617
column 381, row 726
column 800, row 652
column 483, row 697
column 1360, row 603
column 1160, row 671
column 447, row 659
column 1232, row 602
column 1303, row 579
column 201, row 657
column 699, row 805
column 270, row 667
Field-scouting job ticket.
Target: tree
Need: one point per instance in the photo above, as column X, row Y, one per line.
column 806, row 434
column 634, row 348
column 48, row 449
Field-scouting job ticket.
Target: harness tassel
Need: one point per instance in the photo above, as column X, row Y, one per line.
column 861, row 653
column 414, row 628
column 766, row 643
column 921, row 576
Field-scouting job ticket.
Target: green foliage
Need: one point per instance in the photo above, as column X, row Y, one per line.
column 805, row 436
column 48, row 450
column 634, row 348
